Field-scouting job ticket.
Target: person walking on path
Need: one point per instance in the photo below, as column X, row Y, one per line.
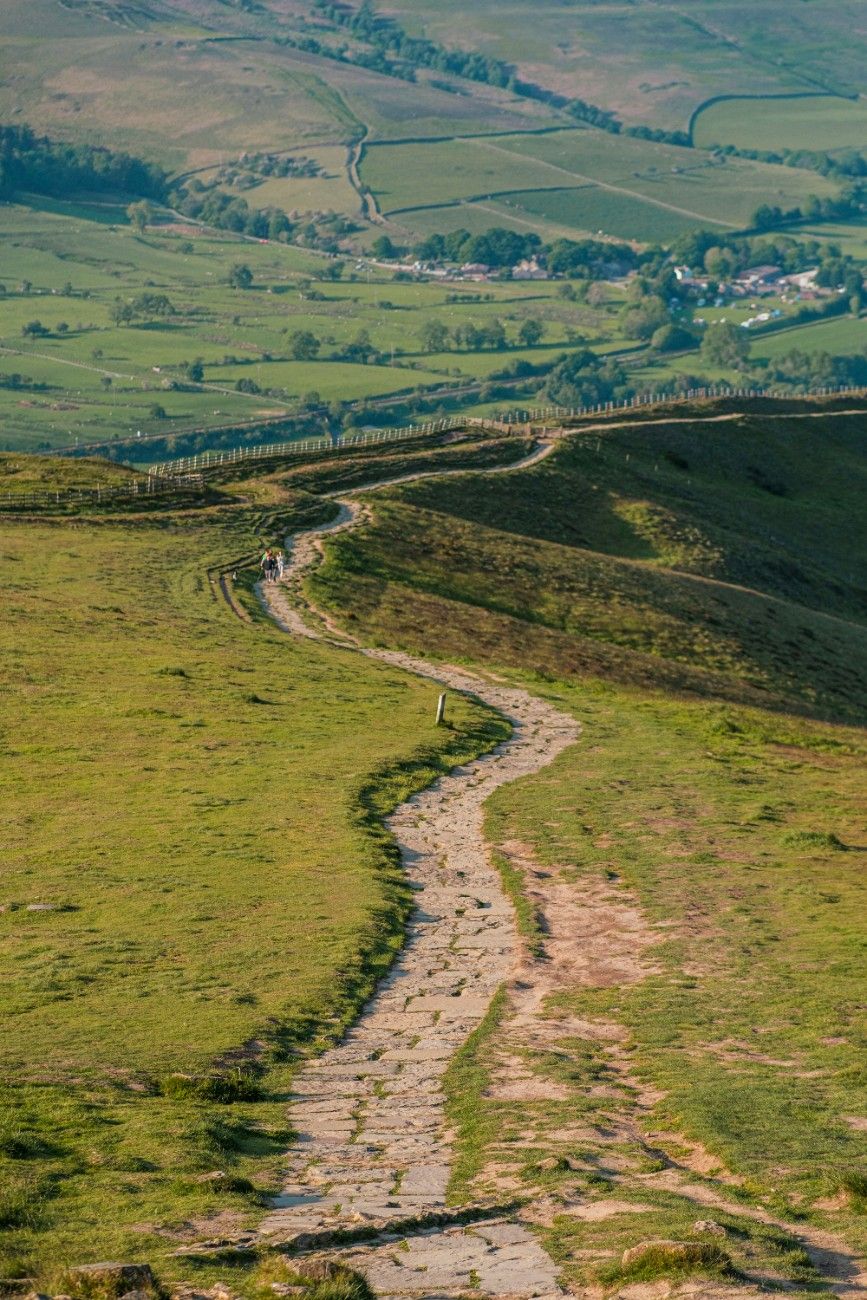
column 268, row 565
column 281, row 565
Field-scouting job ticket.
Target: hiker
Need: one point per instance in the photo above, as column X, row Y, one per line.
column 268, row 564
column 281, row 565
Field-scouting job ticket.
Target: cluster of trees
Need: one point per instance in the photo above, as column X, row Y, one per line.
column 258, row 165
column 582, row 258
column 842, row 166
column 230, row 212
column 816, row 369
column 18, row 382
column 501, row 248
column 44, row 166
column 722, row 256
column 146, row 306
column 581, row 378
column 436, row 337
column 849, row 203
column 496, row 247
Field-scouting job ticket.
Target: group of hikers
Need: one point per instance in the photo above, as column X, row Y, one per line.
column 272, row 565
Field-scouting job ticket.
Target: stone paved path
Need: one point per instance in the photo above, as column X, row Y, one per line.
column 372, row 1148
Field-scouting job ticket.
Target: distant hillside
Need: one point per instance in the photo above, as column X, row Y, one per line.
column 720, row 556
column 202, row 86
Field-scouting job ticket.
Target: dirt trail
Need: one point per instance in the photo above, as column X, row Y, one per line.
column 372, row 1150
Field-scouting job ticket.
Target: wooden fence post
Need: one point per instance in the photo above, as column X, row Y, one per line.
column 441, row 709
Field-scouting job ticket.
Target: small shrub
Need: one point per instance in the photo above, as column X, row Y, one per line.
column 322, row 1279
column 815, row 840
column 854, row 1185
column 225, row 1088
column 653, row 1259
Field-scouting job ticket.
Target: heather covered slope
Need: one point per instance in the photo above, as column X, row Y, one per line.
column 722, row 556
column 678, row 1057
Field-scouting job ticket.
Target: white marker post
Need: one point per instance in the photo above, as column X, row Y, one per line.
column 441, row 710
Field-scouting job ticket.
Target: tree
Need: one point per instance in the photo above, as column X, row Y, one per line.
column 195, row 370
column 240, row 276
column 121, row 313
column 855, row 303
column 34, row 329
column 334, row 270
column 494, row 335
column 726, row 345
column 671, row 338
column 434, row 336
column 643, row 319
column 383, row 248
column 152, row 304
column 303, row 345
column 581, row 378
column 157, row 412
column 61, row 327
column 141, row 214
column 531, row 332
column 719, row 262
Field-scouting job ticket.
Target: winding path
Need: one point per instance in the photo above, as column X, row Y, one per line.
column 372, row 1151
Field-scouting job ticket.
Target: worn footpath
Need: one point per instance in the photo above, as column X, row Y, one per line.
column 373, row 1151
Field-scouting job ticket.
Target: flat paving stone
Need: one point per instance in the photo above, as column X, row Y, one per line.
column 372, row 1107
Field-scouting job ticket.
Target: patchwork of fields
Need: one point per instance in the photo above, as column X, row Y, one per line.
column 580, row 180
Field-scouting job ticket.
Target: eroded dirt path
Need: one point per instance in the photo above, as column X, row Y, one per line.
column 372, row 1150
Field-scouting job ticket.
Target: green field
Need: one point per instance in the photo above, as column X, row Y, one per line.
column 205, row 868
column 99, row 381
column 581, row 180
column 809, row 123
column 842, row 336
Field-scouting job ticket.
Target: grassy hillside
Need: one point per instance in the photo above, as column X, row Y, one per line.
column 719, row 556
column 687, row 877
column 196, row 889
column 663, row 63
column 195, row 881
column 198, row 85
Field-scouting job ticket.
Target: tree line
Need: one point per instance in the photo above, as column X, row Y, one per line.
column 35, row 163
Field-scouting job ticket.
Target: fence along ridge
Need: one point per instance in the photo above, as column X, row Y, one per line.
column 186, row 472
column 519, row 416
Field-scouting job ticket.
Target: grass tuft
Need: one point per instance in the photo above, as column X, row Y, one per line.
column 654, row 1259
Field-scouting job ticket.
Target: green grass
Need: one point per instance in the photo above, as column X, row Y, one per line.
column 734, row 830
column 661, row 67
column 811, row 123
column 22, row 474
column 99, row 383
column 582, row 179
column 841, row 336
column 645, row 559
column 722, row 827
column 192, row 808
